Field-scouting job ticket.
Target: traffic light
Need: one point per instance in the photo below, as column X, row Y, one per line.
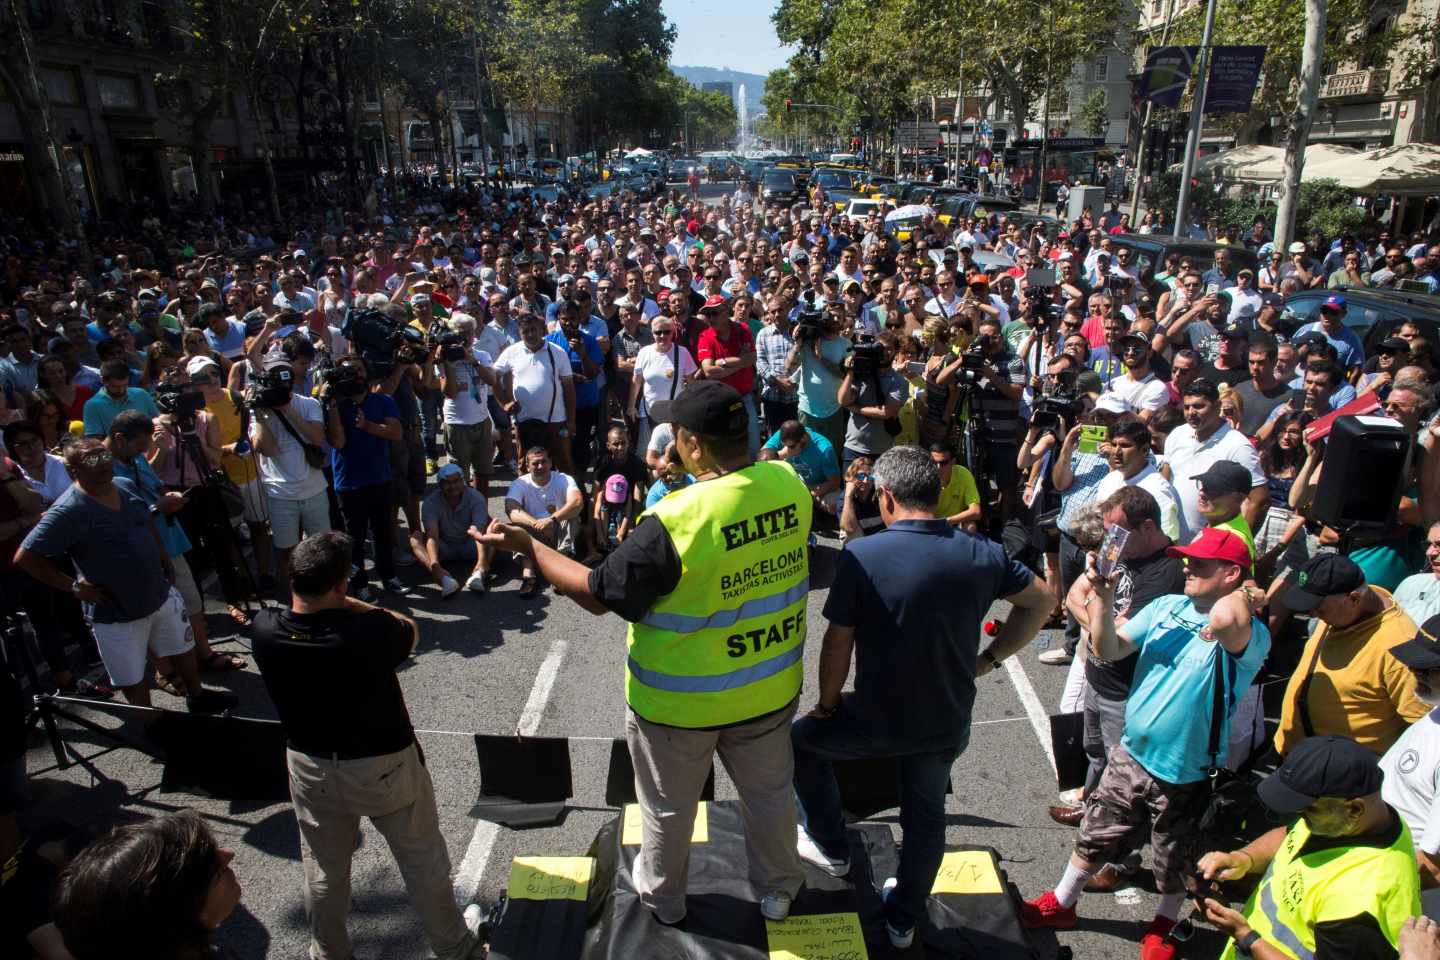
column 787, row 105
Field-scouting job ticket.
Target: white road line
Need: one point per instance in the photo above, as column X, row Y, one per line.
column 981, row 723
column 468, row 878
column 1034, row 709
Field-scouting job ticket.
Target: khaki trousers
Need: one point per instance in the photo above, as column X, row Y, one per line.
column 671, row 764
column 395, row 792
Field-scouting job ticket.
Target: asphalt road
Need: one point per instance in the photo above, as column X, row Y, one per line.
column 497, row 663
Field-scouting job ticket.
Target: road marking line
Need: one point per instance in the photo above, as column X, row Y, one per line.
column 471, row 874
column 981, row 723
column 1034, row 709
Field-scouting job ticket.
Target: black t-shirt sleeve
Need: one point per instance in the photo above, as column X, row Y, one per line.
column 1355, row 938
column 843, row 601
column 394, row 634
column 644, row 568
column 1159, row 579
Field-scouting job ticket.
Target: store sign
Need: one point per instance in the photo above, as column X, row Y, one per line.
column 1234, row 74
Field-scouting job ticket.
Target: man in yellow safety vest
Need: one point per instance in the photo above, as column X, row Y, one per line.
column 1340, row 882
column 713, row 582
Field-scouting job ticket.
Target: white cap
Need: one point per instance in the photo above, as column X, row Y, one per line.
column 197, row 365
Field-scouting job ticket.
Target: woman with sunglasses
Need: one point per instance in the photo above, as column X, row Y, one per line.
column 861, row 513
column 662, row 369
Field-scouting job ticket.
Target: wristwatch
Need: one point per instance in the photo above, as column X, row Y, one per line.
column 1243, row 945
column 991, row 659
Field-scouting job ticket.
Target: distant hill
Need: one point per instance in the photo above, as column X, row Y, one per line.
column 754, row 82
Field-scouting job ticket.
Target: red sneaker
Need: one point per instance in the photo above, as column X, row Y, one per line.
column 1045, row 911
column 1156, row 944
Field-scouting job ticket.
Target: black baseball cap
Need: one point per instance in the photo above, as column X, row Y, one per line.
column 1224, row 476
column 705, row 407
column 1312, row 339
column 1327, row 575
column 1236, row 331
column 1321, row 767
column 1423, row 652
column 1139, row 338
column 1393, row 345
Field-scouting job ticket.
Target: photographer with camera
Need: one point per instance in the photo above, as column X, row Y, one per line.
column 361, row 422
column 287, row 430
column 995, row 379
column 873, row 393
column 466, row 378
column 819, row 354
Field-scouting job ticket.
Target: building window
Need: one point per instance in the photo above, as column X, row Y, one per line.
column 61, row 85
column 117, row 93
column 1102, row 68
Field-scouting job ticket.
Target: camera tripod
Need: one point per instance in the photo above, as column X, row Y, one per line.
column 43, row 705
column 211, row 515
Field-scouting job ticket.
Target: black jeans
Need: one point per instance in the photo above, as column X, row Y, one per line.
column 371, row 510
column 775, row 413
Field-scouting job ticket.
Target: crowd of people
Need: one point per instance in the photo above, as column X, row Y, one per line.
column 184, row 400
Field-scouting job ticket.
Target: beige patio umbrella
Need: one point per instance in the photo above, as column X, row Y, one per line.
column 1410, row 169
column 1254, row 163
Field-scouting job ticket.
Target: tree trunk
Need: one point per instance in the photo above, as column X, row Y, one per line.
column 264, row 134
column 201, row 125
column 1310, row 65
column 37, row 127
column 438, row 144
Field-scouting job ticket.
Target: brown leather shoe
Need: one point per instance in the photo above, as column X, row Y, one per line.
column 1067, row 816
column 1107, row 880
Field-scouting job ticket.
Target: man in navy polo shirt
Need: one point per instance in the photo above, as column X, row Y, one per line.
column 916, row 643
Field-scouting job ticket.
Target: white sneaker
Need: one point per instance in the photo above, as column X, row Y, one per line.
column 474, row 915
column 476, row 583
column 811, row 853
column 898, row 939
column 1055, row 657
column 775, row 906
column 448, row 586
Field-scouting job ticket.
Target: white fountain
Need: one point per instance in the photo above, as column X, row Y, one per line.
column 742, row 111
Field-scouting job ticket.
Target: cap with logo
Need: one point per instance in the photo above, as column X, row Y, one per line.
column 197, row 366
column 1224, row 476
column 449, row 470
column 714, row 303
column 1235, row 331
column 1297, row 247
column 1336, row 767
column 1393, row 345
column 708, row 408
column 1333, row 302
column 617, row 488
column 1214, row 543
column 1327, row 575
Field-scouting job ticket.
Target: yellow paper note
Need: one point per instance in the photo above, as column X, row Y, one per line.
column 821, row 936
column 967, row 871
column 633, row 829
column 550, row 878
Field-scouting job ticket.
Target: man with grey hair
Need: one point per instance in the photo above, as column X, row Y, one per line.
column 916, row 643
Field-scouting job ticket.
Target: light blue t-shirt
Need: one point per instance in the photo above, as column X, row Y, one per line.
column 1419, row 596
column 819, row 387
column 1172, row 698
column 659, row 491
column 816, row 463
column 1349, row 349
column 101, row 410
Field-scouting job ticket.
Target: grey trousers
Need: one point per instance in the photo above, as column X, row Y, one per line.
column 671, row 765
column 1104, row 726
column 395, row 792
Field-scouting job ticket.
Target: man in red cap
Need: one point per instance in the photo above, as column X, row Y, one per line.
column 1197, row 654
column 726, row 352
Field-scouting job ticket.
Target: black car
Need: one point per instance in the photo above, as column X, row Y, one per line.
column 1151, row 249
column 779, row 186
column 839, row 184
column 1372, row 314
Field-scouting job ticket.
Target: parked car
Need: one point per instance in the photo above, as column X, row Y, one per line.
column 1151, row 250
column 956, row 207
column 1372, row 314
column 779, row 186
column 859, row 208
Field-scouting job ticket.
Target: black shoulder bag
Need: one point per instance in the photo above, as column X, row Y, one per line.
column 314, row 454
column 1228, row 814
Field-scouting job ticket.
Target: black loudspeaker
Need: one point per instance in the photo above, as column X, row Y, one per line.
column 1367, row 461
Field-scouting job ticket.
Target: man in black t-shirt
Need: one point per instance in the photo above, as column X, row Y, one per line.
column 1144, row 573
column 1263, row 392
column 329, row 665
column 617, row 458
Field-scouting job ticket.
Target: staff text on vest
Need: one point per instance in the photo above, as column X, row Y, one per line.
column 753, row 641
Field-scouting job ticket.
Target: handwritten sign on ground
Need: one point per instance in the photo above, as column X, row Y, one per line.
column 632, row 829
column 550, row 878
column 821, row 936
column 967, row 871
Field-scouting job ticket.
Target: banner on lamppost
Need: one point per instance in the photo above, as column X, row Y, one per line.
column 1234, row 73
column 1167, row 71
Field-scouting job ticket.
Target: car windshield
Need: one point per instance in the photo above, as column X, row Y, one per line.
column 831, row 178
column 776, row 178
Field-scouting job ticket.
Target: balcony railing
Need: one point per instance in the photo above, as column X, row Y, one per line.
column 1355, row 83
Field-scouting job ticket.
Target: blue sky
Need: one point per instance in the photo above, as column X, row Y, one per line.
column 736, row 34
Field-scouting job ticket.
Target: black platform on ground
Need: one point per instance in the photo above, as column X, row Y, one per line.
column 870, row 784
column 620, row 780
column 723, row 919
column 524, row 781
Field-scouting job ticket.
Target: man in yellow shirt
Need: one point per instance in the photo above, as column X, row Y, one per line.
column 959, row 496
column 1348, row 683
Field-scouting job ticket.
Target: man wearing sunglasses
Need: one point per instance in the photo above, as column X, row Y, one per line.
column 1187, row 644
column 125, row 578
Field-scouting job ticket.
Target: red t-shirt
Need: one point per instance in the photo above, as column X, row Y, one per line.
column 711, row 347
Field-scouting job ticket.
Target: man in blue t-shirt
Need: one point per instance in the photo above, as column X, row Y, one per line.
column 360, row 424
column 915, row 640
column 587, row 360
column 1349, row 350
column 1161, row 769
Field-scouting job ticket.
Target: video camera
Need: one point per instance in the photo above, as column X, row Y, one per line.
column 810, row 324
column 345, row 380
column 973, row 360
column 1060, row 404
column 180, row 401
column 269, row 389
column 381, row 340
column 452, row 346
column 867, row 357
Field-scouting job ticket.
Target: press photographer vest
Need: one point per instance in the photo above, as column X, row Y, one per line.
column 1299, row 892
column 727, row 644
